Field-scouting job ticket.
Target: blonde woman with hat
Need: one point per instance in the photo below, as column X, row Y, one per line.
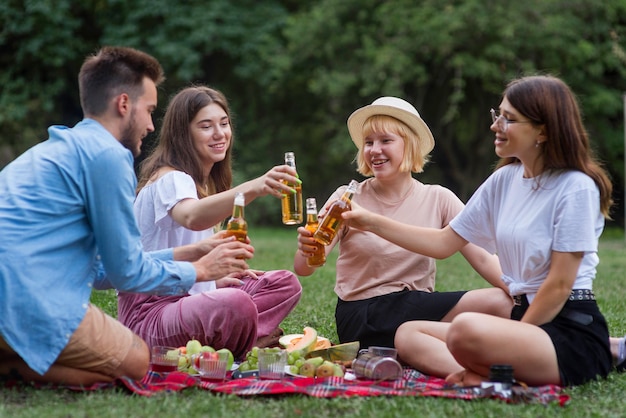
column 379, row 284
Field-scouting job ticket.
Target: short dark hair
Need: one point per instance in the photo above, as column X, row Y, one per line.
column 112, row 71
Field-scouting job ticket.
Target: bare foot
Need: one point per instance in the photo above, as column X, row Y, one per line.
column 270, row 340
column 464, row 378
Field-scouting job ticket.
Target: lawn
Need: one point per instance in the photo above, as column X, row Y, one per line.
column 274, row 250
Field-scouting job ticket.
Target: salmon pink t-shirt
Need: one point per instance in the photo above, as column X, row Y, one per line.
column 370, row 266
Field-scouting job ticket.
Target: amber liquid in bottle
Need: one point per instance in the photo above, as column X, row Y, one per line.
column 237, row 225
column 332, row 221
column 292, row 202
column 319, row 255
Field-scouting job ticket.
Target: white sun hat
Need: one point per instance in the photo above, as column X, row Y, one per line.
column 396, row 108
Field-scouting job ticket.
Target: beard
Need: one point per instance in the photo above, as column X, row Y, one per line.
column 130, row 136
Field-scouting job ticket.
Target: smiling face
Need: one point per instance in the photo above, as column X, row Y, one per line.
column 211, row 133
column 388, row 145
column 521, row 139
column 383, row 153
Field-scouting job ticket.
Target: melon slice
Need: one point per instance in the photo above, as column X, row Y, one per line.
column 305, row 344
column 291, row 339
column 287, row 340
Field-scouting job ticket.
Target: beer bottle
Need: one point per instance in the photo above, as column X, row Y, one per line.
column 332, row 220
column 237, row 225
column 292, row 202
column 319, row 255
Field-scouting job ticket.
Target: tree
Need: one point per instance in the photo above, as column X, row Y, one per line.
column 452, row 59
column 294, row 71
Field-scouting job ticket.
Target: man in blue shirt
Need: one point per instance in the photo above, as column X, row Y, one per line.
column 66, row 216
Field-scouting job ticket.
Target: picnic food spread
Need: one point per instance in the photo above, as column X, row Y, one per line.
column 188, row 361
column 309, row 355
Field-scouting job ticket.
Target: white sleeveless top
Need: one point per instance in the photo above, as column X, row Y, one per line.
column 158, row 229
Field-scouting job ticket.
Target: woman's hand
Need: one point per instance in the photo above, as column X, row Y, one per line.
column 358, row 218
column 274, row 181
column 306, row 242
column 207, row 245
column 235, row 279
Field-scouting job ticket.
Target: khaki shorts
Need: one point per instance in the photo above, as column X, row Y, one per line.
column 99, row 344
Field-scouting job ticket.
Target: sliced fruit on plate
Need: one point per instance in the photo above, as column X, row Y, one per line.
column 288, row 341
column 345, row 352
column 305, row 343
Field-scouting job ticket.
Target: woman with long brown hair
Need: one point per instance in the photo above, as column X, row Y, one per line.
column 184, row 193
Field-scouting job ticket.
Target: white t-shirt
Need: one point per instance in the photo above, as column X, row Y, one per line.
column 524, row 221
column 158, row 229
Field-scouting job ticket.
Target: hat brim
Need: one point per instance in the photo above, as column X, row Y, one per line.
column 426, row 142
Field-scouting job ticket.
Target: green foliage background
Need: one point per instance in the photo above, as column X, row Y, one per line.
column 295, row 70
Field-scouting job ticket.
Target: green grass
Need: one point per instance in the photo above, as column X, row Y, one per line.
column 274, row 250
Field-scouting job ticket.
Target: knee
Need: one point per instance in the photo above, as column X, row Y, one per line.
column 292, row 281
column 286, row 280
column 239, row 306
column 402, row 333
column 462, row 332
column 137, row 361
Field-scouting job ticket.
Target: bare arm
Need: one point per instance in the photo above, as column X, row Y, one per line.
column 485, row 264
column 555, row 290
column 198, row 215
column 431, row 242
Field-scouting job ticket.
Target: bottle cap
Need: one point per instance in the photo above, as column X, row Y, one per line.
column 311, row 205
column 240, row 199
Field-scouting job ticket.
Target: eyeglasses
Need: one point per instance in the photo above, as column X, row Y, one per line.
column 502, row 122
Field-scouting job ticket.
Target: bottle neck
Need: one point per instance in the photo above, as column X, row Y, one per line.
column 347, row 195
column 290, row 160
column 237, row 211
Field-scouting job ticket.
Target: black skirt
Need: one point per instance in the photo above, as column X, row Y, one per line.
column 374, row 321
column 581, row 339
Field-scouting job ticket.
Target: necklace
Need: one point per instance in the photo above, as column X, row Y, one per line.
column 385, row 200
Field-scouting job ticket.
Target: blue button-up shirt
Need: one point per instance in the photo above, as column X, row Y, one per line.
column 67, row 226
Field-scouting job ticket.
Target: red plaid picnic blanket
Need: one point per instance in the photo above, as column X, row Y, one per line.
column 413, row 383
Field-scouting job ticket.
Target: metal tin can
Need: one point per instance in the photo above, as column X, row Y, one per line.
column 374, row 367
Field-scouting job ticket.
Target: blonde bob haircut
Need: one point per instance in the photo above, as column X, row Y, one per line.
column 413, row 160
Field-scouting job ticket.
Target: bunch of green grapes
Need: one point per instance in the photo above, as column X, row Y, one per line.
column 252, row 360
column 295, row 361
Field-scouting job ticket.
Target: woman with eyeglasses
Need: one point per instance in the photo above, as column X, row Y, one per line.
column 542, row 211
